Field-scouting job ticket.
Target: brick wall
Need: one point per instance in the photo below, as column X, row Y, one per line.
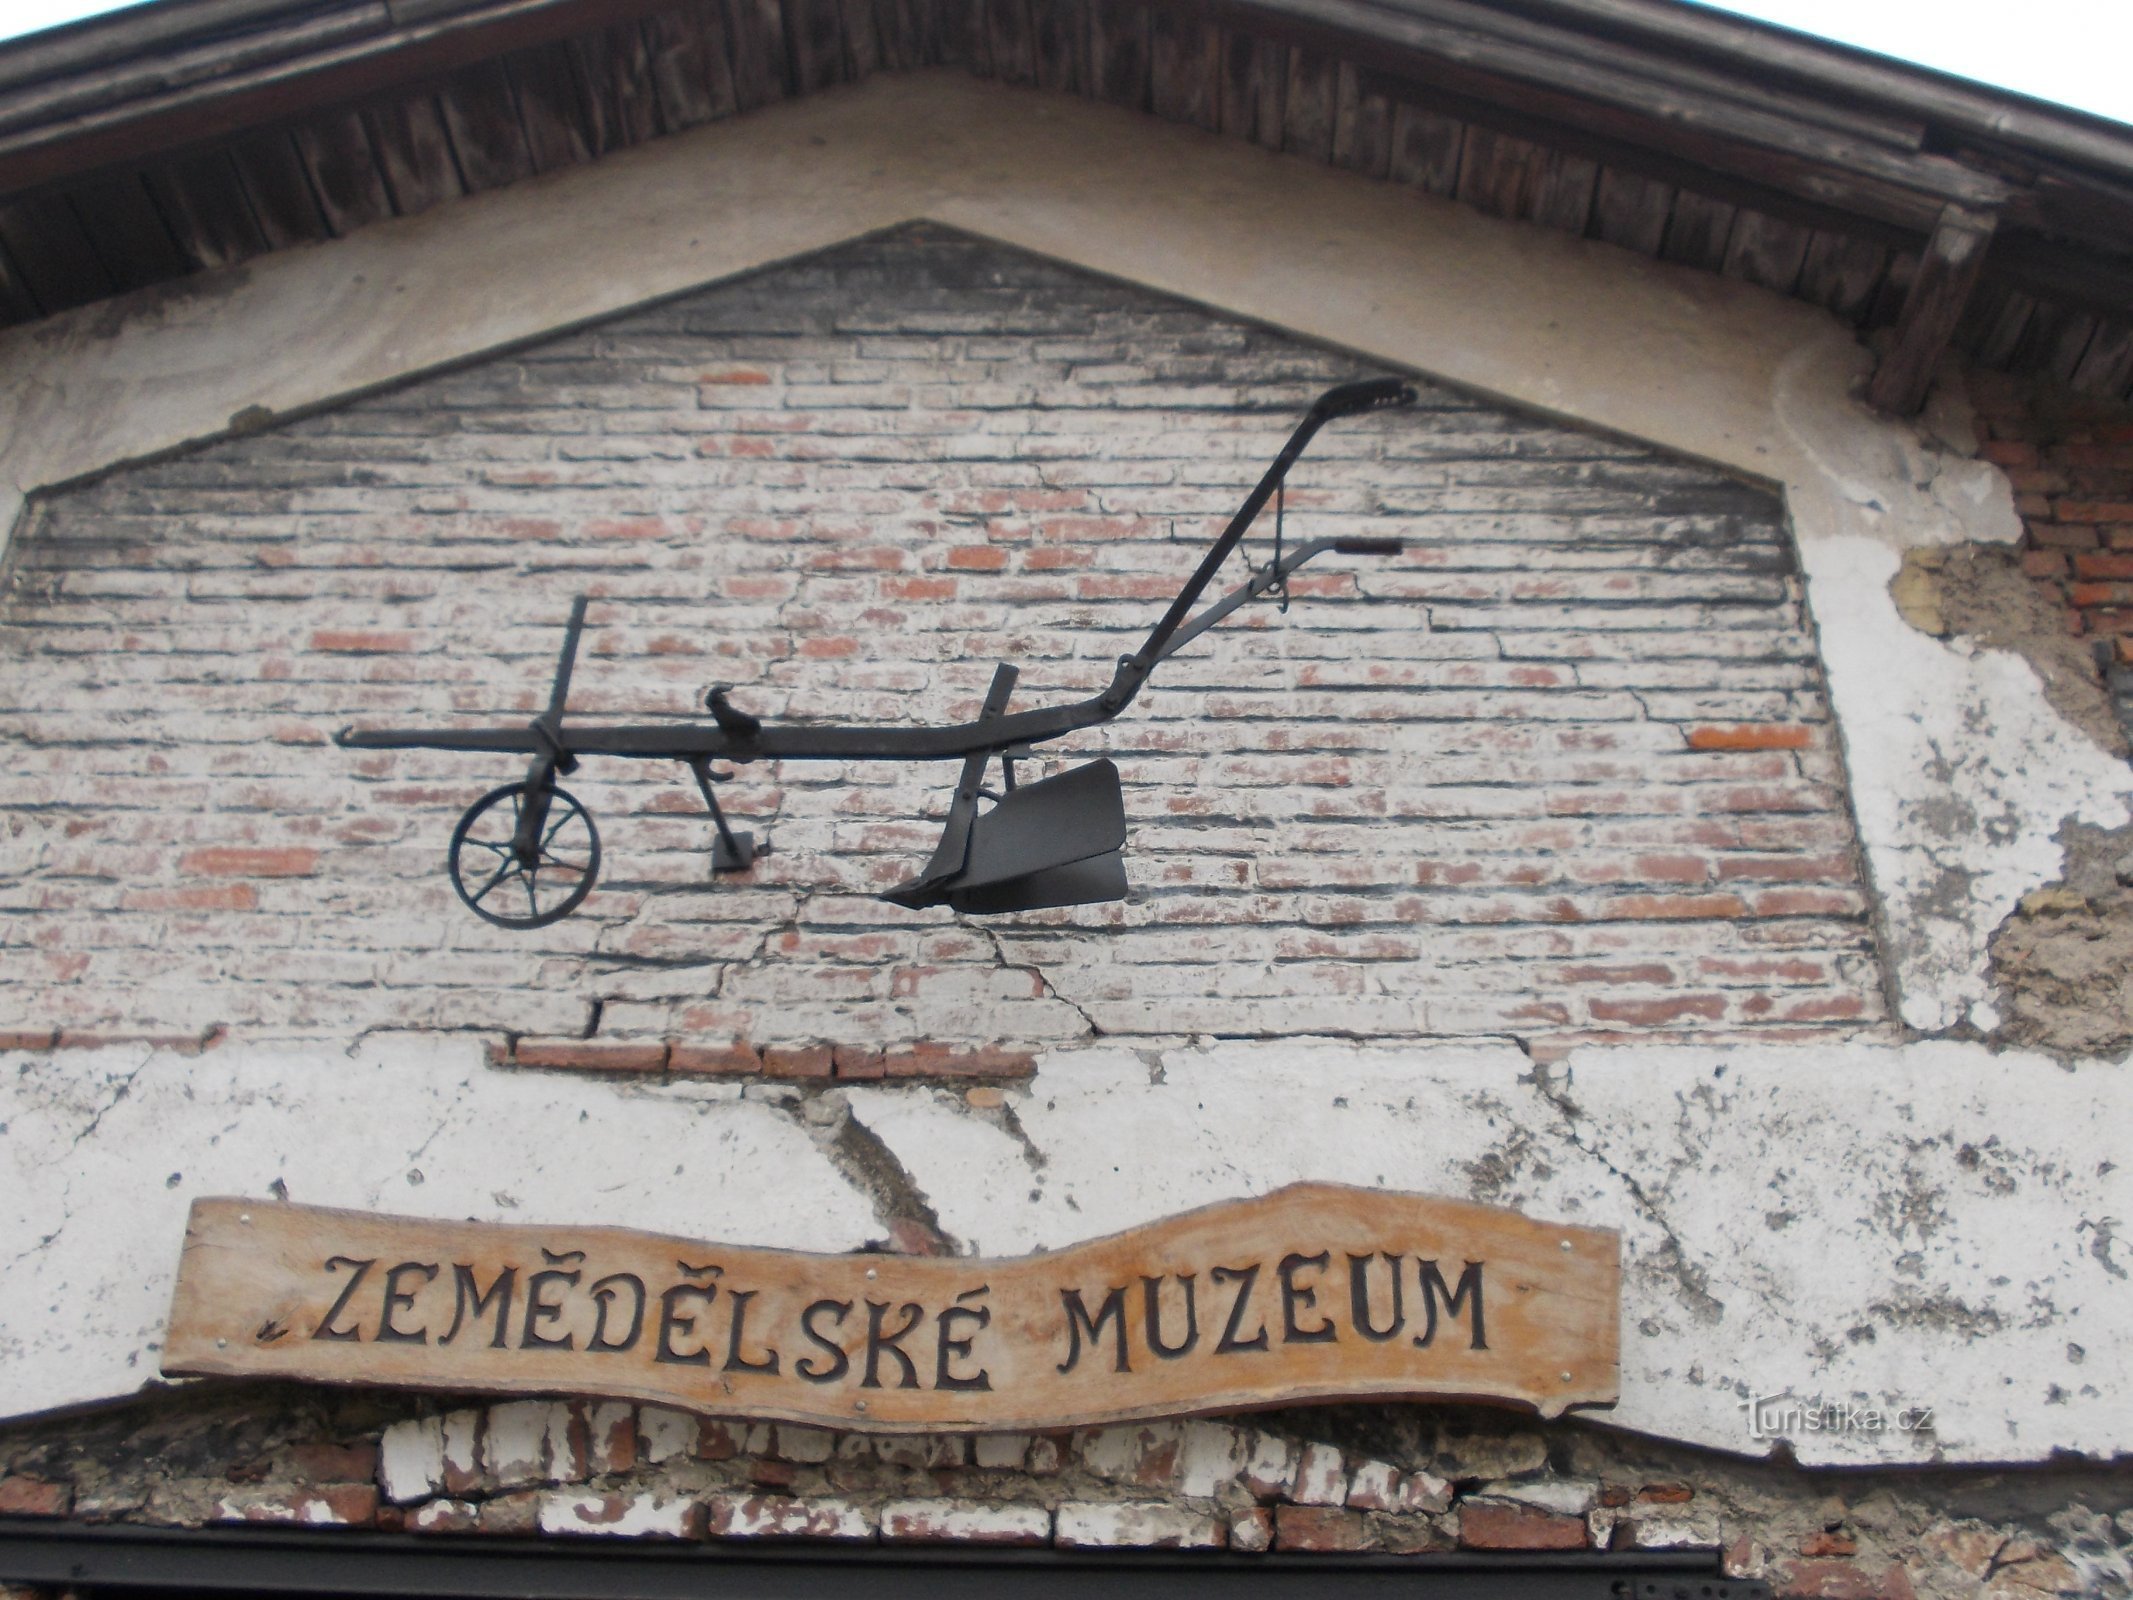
column 2070, row 458
column 1564, row 770
column 1416, row 1481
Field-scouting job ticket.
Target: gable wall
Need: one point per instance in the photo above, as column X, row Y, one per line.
column 1564, row 770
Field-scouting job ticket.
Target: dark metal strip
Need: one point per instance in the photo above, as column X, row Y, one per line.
column 240, row 1561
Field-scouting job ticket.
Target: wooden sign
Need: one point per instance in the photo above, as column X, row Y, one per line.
column 1317, row 1292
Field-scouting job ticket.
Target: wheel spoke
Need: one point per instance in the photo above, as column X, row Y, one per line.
column 509, row 866
column 559, row 825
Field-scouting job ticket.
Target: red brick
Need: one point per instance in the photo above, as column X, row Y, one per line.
column 2103, row 566
column 2044, row 563
column 234, row 862
column 1751, row 736
column 347, row 1505
column 1487, row 1526
column 714, row 1060
column 591, row 1056
column 2008, row 453
column 356, row 641
column 34, row 1497
column 931, row 1060
column 1839, row 1580
column 852, row 1061
column 512, row 1515
column 199, row 897
column 1649, row 972
column 796, row 1061
column 928, row 588
column 734, row 375
column 1828, row 1544
column 29, row 1039
column 2112, row 621
column 2099, row 594
column 1673, row 869
column 1666, row 1494
column 2096, row 510
column 977, row 558
column 1324, row 1528
column 1672, row 907
column 2064, row 535
column 333, row 1463
column 1658, row 1013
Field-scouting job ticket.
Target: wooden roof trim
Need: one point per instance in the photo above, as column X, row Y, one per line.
column 286, row 86
column 1830, row 169
column 1860, row 76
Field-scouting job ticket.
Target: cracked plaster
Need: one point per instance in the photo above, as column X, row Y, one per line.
column 1966, row 1202
column 1885, row 1225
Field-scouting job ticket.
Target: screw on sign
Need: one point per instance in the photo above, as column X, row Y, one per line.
column 1052, row 843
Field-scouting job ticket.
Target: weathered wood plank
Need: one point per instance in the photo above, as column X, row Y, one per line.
column 344, row 169
column 1631, row 211
column 1498, row 175
column 1061, row 31
column 690, row 68
column 1119, row 52
column 279, row 189
column 862, row 38
column 900, row 34
column 551, row 106
column 1563, row 198
column 2057, row 338
column 1841, row 272
column 1185, row 68
column 814, row 34
column 46, row 241
column 1947, row 272
column 1311, row 106
column 414, row 152
column 2106, row 367
column 481, row 115
column 755, row 33
column 202, row 200
column 1315, row 1292
column 1255, row 78
column 127, row 232
column 17, row 304
column 1766, row 250
column 1010, row 39
column 1426, row 147
column 2002, row 336
column 614, row 72
column 1362, row 125
column 1697, row 231
column 963, row 34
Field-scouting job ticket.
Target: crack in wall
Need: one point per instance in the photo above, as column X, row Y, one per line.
column 1673, row 1260
column 864, row 1160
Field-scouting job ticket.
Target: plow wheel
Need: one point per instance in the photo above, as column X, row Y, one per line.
column 523, row 857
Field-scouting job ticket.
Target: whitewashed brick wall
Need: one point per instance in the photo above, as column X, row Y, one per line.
column 1564, row 770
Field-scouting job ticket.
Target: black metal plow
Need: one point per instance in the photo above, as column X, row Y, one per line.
column 527, row 854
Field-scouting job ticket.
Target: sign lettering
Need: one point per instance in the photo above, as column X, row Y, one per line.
column 1315, row 1292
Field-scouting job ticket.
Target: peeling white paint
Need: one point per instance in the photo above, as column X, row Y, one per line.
column 101, row 1153
column 1893, row 1226
column 1911, row 1225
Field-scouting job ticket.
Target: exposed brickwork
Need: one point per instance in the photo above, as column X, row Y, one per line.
column 1563, row 770
column 2070, row 458
column 1415, row 1481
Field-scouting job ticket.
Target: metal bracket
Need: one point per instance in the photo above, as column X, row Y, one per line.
column 730, row 851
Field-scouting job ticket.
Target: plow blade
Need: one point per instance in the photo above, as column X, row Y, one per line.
column 1051, row 843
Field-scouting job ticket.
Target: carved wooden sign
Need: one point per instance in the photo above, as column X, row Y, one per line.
column 1316, row 1292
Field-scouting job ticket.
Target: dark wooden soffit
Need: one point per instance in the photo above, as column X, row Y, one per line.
column 191, row 133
